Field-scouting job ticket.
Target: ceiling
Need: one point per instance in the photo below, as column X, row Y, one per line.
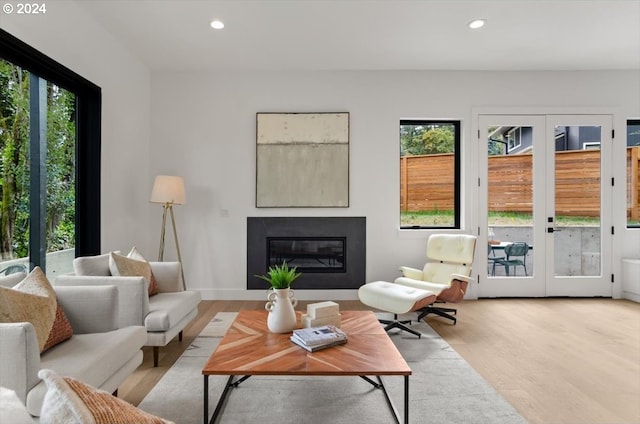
column 376, row 34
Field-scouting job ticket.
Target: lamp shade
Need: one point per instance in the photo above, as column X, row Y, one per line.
column 168, row 189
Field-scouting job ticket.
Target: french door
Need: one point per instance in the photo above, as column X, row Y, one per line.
column 545, row 205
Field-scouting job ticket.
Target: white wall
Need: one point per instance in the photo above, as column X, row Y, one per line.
column 70, row 36
column 203, row 127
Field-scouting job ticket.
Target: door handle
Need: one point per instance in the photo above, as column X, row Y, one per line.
column 552, row 230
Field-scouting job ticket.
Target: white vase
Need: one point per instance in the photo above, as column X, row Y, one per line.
column 282, row 316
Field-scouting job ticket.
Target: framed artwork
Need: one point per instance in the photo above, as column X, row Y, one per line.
column 302, row 160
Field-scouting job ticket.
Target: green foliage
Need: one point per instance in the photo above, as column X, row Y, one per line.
column 14, row 164
column 426, row 140
column 280, row 276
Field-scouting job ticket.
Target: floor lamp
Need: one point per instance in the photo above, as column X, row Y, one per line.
column 169, row 190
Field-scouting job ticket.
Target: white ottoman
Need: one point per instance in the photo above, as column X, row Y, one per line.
column 397, row 299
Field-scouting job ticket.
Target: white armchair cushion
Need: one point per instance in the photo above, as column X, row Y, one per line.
column 409, row 272
column 458, row 248
column 419, row 284
column 440, row 273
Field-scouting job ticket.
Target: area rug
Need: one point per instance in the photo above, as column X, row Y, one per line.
column 443, row 389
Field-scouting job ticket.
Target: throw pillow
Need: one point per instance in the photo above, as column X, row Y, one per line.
column 153, row 283
column 92, row 265
column 70, row 401
column 32, row 300
column 60, row 331
column 126, row 267
column 12, row 410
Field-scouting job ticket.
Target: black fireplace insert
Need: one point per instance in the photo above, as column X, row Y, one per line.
column 329, row 251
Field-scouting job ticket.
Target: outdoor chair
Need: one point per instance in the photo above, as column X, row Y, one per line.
column 13, row 269
column 492, row 259
column 513, row 251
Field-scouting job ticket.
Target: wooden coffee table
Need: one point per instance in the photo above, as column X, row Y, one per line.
column 249, row 349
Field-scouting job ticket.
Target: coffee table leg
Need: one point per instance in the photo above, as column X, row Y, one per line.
column 406, row 399
column 206, row 399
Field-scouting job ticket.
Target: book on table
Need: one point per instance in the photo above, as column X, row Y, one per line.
column 315, row 338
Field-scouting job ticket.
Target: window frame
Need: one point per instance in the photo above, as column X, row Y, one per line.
column 514, row 139
column 88, row 135
column 457, row 201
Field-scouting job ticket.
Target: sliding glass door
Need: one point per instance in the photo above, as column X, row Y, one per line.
column 38, row 145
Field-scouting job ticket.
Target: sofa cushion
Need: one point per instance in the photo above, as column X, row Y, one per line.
column 70, row 401
column 92, row 358
column 92, row 265
column 153, row 284
column 167, row 309
column 32, row 300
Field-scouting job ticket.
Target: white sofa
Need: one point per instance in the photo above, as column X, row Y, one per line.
column 101, row 352
column 164, row 315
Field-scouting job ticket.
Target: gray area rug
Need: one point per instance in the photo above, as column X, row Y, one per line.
column 442, row 389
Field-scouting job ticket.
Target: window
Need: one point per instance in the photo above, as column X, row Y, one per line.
column 514, row 138
column 429, row 174
column 633, row 173
column 55, row 155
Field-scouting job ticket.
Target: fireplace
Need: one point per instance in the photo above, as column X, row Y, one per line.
column 329, row 251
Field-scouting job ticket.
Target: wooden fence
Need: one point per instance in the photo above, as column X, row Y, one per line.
column 426, row 183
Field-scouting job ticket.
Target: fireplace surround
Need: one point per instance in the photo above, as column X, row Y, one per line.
column 329, row 251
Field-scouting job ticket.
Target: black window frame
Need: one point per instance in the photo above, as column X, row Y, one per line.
column 457, row 125
column 88, row 135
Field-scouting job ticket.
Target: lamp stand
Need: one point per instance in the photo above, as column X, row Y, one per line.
column 169, row 207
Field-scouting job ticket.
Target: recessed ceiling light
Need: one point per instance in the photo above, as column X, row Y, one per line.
column 216, row 24
column 476, row 23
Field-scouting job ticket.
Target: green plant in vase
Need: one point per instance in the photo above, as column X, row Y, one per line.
column 282, row 317
column 280, row 276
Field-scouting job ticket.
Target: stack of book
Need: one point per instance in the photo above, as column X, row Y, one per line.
column 322, row 313
column 316, row 338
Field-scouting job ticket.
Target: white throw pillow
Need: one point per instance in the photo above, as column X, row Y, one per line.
column 70, row 401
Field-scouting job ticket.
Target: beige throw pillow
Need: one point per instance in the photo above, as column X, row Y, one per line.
column 60, row 331
column 126, row 267
column 70, row 401
column 153, row 284
column 32, row 300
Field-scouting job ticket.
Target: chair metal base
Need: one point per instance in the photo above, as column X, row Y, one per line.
column 443, row 312
column 395, row 323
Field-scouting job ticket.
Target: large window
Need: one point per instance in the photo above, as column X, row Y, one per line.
column 633, row 173
column 429, row 174
column 50, row 160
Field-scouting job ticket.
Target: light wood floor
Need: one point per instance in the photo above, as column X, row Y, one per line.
column 555, row 360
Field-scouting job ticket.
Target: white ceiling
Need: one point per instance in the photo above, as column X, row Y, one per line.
column 376, row 34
